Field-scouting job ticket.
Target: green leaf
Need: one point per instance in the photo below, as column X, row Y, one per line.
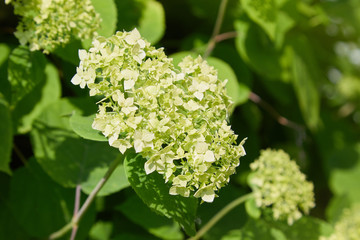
column 115, row 183
column 152, row 21
column 6, row 137
column 82, row 126
column 155, row 194
column 69, row 52
column 146, row 15
column 264, row 13
column 43, row 94
column 304, row 77
column 235, row 219
column 101, row 230
column 258, row 51
column 308, row 228
column 108, row 15
column 40, row 205
column 254, row 230
column 160, row 226
column 25, row 71
column 68, row 159
column 345, row 175
column 238, row 92
column 5, row 88
column 252, row 209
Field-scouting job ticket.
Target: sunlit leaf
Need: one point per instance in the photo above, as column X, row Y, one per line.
column 25, row 71
column 82, row 127
column 147, row 16
column 155, row 193
column 108, row 15
column 35, row 101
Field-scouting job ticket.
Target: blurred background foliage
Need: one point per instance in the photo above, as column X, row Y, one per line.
column 294, row 73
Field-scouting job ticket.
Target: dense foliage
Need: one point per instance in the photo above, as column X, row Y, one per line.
column 292, row 71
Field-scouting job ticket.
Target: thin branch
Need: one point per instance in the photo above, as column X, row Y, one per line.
column 280, row 119
column 76, row 210
column 224, row 36
column 220, row 215
column 19, row 154
column 219, row 20
column 77, row 218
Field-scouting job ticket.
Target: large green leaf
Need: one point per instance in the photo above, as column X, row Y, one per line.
column 25, row 71
column 108, row 15
column 160, row 226
column 146, row 15
column 267, row 14
column 6, row 136
column 345, row 174
column 258, row 51
column 82, row 127
column 238, row 92
column 152, row 21
column 305, row 76
column 43, row 94
column 155, row 193
column 68, row 159
column 40, row 205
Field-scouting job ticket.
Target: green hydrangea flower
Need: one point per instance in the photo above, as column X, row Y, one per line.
column 348, row 227
column 46, row 24
column 278, row 183
column 176, row 119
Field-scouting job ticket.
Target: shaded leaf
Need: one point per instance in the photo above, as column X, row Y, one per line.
column 259, row 52
column 6, row 137
column 304, row 77
column 68, row 159
column 40, row 205
column 101, row 230
column 155, row 194
column 158, row 225
column 252, row 209
column 82, row 126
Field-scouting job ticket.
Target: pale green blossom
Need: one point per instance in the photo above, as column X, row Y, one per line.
column 46, row 24
column 176, row 119
column 348, row 226
column 278, row 183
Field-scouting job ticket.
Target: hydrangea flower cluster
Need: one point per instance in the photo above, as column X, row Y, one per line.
column 348, row 227
column 277, row 182
column 176, row 119
column 46, row 24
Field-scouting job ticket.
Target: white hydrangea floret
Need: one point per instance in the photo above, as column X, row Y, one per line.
column 176, row 119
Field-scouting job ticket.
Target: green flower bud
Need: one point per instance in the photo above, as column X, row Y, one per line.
column 278, row 183
column 348, row 226
column 46, row 24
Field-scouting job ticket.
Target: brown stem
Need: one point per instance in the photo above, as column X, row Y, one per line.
column 217, row 27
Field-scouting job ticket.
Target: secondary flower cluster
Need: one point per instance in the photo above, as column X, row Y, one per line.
column 176, row 119
column 277, row 182
column 46, row 24
column 348, row 227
